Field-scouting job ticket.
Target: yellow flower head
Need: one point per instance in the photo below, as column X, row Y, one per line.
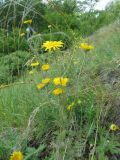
column 64, row 81
column 114, row 127
column 45, row 67
column 58, row 91
column 86, row 47
column 70, row 107
column 31, row 72
column 22, row 34
column 46, row 80
column 60, row 81
column 52, row 45
column 40, row 86
column 28, row 21
column 17, row 155
column 56, row 81
column 35, row 64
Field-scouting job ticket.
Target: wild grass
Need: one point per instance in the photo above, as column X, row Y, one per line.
column 38, row 122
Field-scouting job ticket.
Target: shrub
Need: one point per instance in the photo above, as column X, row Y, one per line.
column 11, row 41
column 12, row 65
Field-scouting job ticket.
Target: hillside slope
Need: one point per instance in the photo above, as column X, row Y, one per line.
column 42, row 126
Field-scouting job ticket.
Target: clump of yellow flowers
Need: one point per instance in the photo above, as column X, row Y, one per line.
column 60, row 81
column 43, row 83
column 57, row 81
column 52, row 45
column 16, row 155
column 45, row 67
column 86, row 46
column 114, row 127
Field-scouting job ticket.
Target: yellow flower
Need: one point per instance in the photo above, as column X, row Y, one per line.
column 56, row 81
column 58, row 91
column 64, row 81
column 28, row 21
column 52, row 45
column 17, row 155
column 40, row 86
column 60, row 81
column 35, row 64
column 70, row 107
column 22, row 34
column 31, row 72
column 114, row 127
column 46, row 80
column 86, row 46
column 45, row 67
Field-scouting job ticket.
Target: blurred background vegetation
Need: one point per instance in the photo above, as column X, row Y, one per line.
column 69, row 17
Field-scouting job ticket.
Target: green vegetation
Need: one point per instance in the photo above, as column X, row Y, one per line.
column 82, row 123
column 13, row 65
column 11, row 42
